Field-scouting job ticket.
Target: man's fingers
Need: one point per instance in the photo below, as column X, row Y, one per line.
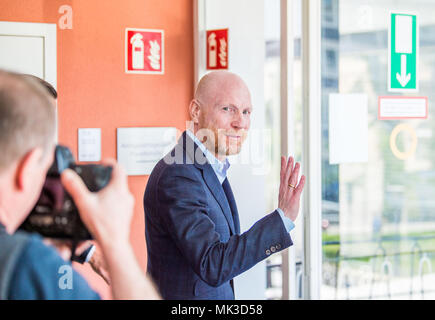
column 282, row 172
column 74, row 185
column 300, row 186
column 290, row 163
column 289, row 170
column 294, row 176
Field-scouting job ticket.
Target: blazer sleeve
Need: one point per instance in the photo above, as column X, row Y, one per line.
column 184, row 211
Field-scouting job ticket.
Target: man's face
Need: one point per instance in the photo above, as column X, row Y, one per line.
column 225, row 119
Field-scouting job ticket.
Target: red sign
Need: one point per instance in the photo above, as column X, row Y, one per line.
column 217, row 49
column 144, row 51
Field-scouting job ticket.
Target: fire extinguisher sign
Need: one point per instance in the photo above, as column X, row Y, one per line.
column 144, row 51
column 217, row 49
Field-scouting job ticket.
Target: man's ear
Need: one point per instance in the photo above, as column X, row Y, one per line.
column 29, row 166
column 194, row 110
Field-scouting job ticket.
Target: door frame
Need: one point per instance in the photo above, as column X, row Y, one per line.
column 312, row 150
column 46, row 31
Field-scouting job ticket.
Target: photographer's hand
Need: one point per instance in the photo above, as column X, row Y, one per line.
column 99, row 265
column 64, row 247
column 107, row 214
column 95, row 258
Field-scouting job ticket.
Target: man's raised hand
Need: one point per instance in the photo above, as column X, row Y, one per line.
column 290, row 189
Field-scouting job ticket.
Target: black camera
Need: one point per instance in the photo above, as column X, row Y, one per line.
column 55, row 215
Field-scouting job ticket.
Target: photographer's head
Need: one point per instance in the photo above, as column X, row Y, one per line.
column 27, row 131
column 49, row 88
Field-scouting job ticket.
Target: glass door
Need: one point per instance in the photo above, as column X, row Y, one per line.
column 378, row 212
column 283, row 103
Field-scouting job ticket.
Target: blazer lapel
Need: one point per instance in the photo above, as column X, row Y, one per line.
column 216, row 189
column 232, row 202
column 209, row 176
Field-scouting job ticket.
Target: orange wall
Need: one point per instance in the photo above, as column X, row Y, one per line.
column 95, row 92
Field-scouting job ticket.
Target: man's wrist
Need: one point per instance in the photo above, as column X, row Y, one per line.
column 288, row 223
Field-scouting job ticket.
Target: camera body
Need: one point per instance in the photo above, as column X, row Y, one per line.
column 55, row 215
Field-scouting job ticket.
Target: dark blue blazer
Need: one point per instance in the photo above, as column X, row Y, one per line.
column 192, row 229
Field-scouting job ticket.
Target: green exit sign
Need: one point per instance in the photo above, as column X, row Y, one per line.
column 403, row 53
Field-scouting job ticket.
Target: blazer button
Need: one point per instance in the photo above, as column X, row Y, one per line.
column 272, row 248
column 278, row 246
column 268, row 252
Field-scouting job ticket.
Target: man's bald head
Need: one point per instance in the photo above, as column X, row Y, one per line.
column 216, row 84
column 27, row 117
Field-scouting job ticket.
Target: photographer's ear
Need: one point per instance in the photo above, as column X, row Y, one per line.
column 31, row 169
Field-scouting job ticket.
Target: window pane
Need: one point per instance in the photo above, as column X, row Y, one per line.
column 378, row 215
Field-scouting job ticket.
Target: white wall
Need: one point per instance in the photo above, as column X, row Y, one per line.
column 245, row 20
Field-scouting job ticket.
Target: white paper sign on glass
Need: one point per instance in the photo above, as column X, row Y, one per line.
column 89, row 144
column 348, row 128
column 139, row 149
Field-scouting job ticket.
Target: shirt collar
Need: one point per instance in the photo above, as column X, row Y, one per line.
column 220, row 168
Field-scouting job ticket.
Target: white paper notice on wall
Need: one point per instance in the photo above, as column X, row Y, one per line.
column 139, row 149
column 348, row 128
column 89, row 144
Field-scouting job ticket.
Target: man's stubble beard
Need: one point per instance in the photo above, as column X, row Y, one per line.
column 220, row 143
column 228, row 149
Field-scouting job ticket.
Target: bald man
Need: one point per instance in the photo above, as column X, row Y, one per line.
column 192, row 226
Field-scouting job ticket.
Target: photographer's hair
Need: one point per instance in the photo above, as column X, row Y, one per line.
column 50, row 89
column 27, row 117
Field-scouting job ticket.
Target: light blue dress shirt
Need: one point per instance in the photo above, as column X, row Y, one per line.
column 220, row 169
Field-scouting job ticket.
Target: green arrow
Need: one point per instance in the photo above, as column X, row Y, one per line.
column 403, row 78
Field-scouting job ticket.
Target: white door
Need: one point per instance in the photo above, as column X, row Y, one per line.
column 29, row 48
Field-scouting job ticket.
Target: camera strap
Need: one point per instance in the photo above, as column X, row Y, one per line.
column 73, row 250
column 74, row 243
